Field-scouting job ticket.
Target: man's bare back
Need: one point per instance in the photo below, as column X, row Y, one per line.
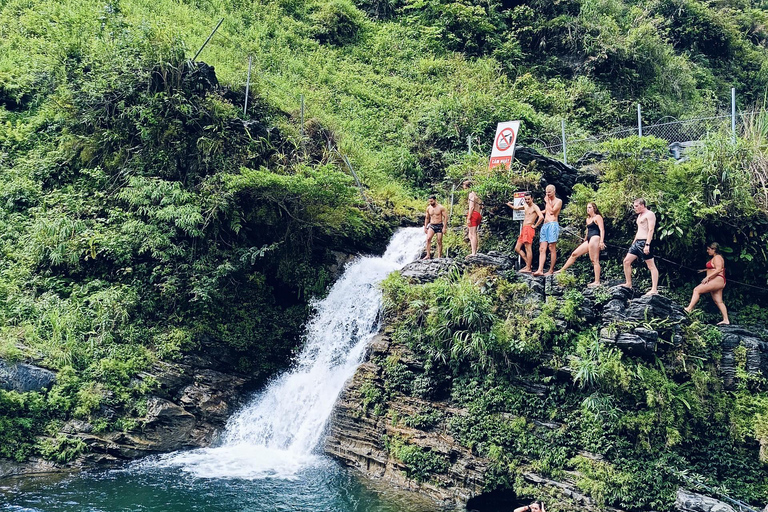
column 475, row 205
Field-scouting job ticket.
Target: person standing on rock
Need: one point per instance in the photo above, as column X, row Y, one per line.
column 713, row 283
column 550, row 231
column 435, row 222
column 474, row 217
column 641, row 246
column 536, row 506
column 533, row 217
column 593, row 243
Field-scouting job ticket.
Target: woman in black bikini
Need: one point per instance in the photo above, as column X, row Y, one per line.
column 593, row 242
column 713, row 283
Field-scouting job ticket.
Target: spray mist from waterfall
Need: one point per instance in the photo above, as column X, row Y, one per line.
column 276, row 434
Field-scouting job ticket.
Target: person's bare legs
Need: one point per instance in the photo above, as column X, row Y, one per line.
column 473, row 240
column 654, row 277
column 542, row 258
column 695, row 298
column 528, row 257
column 552, row 258
column 520, row 249
column 577, row 252
column 717, row 296
column 439, row 245
column 430, row 234
column 628, row 260
column 715, row 287
column 594, row 256
column 525, row 252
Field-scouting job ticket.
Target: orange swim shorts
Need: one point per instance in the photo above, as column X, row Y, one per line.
column 475, row 219
column 526, row 236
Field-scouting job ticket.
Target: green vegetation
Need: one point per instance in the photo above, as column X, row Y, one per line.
column 622, row 428
column 144, row 216
column 420, row 463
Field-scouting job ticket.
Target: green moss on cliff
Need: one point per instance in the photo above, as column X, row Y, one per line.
column 563, row 404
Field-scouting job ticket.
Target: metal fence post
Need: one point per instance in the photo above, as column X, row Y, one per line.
column 469, row 144
column 565, row 157
column 206, row 41
column 639, row 121
column 733, row 115
column 303, row 148
column 247, row 86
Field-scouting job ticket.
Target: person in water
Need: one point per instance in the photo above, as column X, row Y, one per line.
column 474, row 217
column 533, row 217
column 536, row 506
column 594, row 242
column 641, row 246
column 550, row 231
column 713, row 283
column 435, row 223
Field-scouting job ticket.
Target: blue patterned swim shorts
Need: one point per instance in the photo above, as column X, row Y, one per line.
column 550, row 232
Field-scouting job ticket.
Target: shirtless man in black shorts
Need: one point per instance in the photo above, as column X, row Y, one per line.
column 641, row 246
column 435, row 222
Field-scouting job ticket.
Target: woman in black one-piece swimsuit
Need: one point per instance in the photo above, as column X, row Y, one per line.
column 593, row 242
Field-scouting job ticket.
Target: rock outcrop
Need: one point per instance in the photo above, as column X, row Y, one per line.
column 188, row 410
column 365, row 437
column 23, row 377
column 359, row 439
column 692, row 502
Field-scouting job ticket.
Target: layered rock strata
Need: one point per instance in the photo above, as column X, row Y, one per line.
column 362, row 438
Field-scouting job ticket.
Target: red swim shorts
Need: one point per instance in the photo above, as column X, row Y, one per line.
column 526, row 236
column 475, row 219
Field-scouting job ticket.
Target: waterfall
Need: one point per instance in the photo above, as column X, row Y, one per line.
column 275, row 435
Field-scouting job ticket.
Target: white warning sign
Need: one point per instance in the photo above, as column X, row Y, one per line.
column 504, row 144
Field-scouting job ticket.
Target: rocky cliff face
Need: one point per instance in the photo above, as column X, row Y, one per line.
column 188, row 408
column 373, row 420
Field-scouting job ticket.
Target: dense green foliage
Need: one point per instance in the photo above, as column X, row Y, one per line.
column 143, row 215
column 623, row 428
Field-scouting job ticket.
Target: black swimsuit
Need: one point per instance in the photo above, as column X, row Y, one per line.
column 592, row 230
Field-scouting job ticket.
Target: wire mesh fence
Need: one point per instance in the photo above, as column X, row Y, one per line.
column 677, row 132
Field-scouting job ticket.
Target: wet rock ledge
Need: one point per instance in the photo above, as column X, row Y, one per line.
column 362, row 437
column 189, row 407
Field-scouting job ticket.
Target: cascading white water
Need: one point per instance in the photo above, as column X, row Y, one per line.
column 276, row 433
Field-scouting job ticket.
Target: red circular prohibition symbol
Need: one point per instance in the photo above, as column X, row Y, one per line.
column 505, row 139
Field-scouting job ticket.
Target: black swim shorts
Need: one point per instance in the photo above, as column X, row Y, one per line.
column 437, row 228
column 637, row 249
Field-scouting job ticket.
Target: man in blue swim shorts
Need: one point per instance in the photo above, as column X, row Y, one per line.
column 550, row 231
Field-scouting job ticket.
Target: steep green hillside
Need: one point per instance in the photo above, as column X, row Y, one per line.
column 145, row 216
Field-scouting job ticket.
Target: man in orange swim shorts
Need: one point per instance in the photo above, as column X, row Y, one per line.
column 533, row 218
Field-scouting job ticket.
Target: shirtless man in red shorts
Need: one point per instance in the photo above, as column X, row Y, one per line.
column 533, row 218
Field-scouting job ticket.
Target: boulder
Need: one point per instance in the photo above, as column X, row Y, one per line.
column 492, row 259
column 553, row 171
column 426, row 271
column 692, row 502
column 757, row 353
column 24, row 377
